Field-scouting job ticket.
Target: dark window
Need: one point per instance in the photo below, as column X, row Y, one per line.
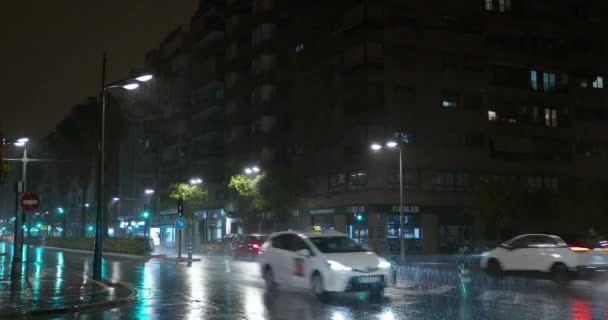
column 281, row 242
column 295, row 243
column 336, row 245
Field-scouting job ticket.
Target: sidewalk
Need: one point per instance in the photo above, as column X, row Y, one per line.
column 52, row 290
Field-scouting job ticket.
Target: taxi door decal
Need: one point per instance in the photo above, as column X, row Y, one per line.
column 299, row 267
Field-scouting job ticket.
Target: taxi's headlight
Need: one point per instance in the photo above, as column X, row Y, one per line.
column 383, row 264
column 337, row 266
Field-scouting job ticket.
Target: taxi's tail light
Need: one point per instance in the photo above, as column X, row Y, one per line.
column 579, row 249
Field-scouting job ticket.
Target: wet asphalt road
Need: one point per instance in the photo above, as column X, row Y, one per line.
column 220, row 288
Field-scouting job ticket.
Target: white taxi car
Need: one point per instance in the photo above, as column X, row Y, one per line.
column 322, row 261
column 563, row 258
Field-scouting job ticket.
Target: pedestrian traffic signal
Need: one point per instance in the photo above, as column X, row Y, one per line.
column 180, row 207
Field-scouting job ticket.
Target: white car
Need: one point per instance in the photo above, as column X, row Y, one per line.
column 560, row 257
column 322, row 261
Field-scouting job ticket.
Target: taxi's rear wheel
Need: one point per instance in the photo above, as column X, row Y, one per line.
column 271, row 285
column 317, row 287
column 559, row 272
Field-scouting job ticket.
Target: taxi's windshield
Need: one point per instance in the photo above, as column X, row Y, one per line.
column 336, row 245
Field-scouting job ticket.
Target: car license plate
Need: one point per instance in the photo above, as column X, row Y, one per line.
column 369, row 279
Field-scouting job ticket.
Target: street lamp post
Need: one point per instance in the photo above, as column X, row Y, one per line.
column 128, row 84
column 254, row 171
column 395, row 145
column 19, row 214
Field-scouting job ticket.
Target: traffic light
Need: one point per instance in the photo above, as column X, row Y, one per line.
column 60, row 210
column 90, row 228
column 180, row 207
column 359, row 216
column 146, row 214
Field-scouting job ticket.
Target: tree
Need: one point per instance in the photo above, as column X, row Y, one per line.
column 276, row 190
column 498, row 204
column 281, row 188
column 76, row 138
column 248, row 195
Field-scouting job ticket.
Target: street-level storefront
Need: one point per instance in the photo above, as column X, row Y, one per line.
column 427, row 229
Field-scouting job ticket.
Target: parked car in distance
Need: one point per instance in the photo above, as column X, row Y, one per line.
column 249, row 246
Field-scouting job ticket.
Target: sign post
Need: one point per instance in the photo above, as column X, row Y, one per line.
column 180, row 224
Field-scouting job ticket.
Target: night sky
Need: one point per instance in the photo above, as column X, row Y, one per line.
column 51, row 52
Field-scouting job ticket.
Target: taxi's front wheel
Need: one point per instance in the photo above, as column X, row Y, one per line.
column 317, row 287
column 271, row 285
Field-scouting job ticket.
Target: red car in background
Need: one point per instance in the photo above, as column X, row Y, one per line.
column 249, row 246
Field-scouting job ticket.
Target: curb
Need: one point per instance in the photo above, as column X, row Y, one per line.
column 109, row 254
column 77, row 308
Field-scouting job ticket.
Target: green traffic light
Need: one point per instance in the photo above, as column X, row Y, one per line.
column 39, row 225
column 90, row 228
column 359, row 217
column 146, row 214
column 60, row 210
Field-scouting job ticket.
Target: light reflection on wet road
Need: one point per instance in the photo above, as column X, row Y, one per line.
column 220, row 288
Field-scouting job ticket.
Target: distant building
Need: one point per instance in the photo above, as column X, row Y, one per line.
column 472, row 90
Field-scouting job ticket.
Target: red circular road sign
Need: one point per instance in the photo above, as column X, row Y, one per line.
column 30, row 201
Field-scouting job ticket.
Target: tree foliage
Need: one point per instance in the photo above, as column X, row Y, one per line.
column 247, row 191
column 193, row 196
column 575, row 207
column 497, row 204
column 276, row 190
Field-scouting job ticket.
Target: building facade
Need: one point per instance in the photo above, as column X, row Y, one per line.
column 471, row 90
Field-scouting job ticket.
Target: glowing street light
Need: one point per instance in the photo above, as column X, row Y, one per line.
column 196, row 181
column 376, row 146
column 144, row 78
column 131, row 86
column 149, row 191
column 252, row 170
column 391, row 144
column 115, row 199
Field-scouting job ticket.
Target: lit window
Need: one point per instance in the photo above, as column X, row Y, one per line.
column 551, row 117
column 489, row 5
column 492, row 116
column 533, row 80
column 299, row 47
column 549, row 81
column 504, row 5
column 598, row 82
column 449, row 104
column 219, row 94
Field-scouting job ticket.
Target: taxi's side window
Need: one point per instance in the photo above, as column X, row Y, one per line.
column 280, row 242
column 296, row 243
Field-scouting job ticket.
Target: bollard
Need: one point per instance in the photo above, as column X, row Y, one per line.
column 464, row 273
column 190, row 251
